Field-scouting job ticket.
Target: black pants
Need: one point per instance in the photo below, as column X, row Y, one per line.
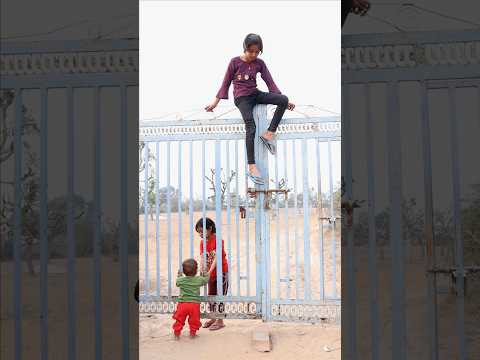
column 246, row 103
column 346, row 7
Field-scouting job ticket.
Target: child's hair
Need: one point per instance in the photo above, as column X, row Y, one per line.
column 190, row 267
column 208, row 223
column 253, row 39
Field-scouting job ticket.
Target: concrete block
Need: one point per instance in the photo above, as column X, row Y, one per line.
column 261, row 339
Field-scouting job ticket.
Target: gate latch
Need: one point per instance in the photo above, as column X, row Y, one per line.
column 252, row 192
column 330, row 219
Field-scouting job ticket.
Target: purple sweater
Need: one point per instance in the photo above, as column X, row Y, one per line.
column 244, row 75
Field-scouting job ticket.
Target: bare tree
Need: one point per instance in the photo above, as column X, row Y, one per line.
column 30, row 189
column 224, row 184
column 151, row 181
column 29, row 180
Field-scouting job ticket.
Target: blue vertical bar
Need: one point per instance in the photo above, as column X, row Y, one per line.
column 287, row 228
column 297, row 259
column 72, row 319
column 190, row 203
column 18, row 229
column 97, row 242
column 277, row 230
column 332, row 216
column 432, row 319
column 179, row 207
column 320, row 223
column 204, row 224
column 306, row 222
column 247, row 235
column 372, row 245
column 457, row 219
column 229, row 237
column 237, row 221
column 44, row 223
column 218, row 215
column 351, row 302
column 396, row 236
column 125, row 290
column 145, row 216
column 169, row 224
column 157, row 212
column 262, row 226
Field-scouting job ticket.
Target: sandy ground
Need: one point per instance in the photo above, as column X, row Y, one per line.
column 417, row 328
column 58, row 310
column 239, row 245
column 290, row 341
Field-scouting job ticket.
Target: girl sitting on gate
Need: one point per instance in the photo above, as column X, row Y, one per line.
column 242, row 70
column 211, row 268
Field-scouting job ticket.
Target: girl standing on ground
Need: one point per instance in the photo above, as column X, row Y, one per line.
column 242, row 71
column 211, row 268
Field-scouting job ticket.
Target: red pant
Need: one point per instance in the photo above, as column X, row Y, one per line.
column 184, row 309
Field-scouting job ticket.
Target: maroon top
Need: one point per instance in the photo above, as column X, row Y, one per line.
column 244, row 75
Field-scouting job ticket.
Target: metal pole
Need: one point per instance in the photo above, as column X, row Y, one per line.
column 145, row 217
column 18, row 226
column 169, row 223
column 320, row 223
column 125, row 289
column 179, row 207
column 432, row 320
column 399, row 350
column 332, row 223
column 44, row 223
column 72, row 319
column 157, row 213
column 229, row 238
column 306, row 223
column 350, row 302
column 263, row 217
column 97, row 242
column 372, row 245
column 457, row 218
column 218, row 215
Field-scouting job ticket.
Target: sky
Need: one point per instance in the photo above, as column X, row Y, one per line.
column 185, row 48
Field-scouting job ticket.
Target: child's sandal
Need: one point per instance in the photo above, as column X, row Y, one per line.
column 208, row 323
column 216, row 326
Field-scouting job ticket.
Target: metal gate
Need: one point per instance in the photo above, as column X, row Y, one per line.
column 378, row 72
column 281, row 240
column 83, row 76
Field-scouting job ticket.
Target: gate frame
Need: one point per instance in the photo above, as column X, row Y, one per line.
column 68, row 65
column 321, row 128
column 435, row 60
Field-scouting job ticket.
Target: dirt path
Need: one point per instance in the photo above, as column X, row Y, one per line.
column 290, row 341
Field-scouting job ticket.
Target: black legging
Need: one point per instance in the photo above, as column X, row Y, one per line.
column 346, row 7
column 246, row 103
column 137, row 291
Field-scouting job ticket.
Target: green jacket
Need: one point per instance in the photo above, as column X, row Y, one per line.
column 190, row 287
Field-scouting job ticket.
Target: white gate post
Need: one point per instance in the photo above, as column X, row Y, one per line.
column 262, row 223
